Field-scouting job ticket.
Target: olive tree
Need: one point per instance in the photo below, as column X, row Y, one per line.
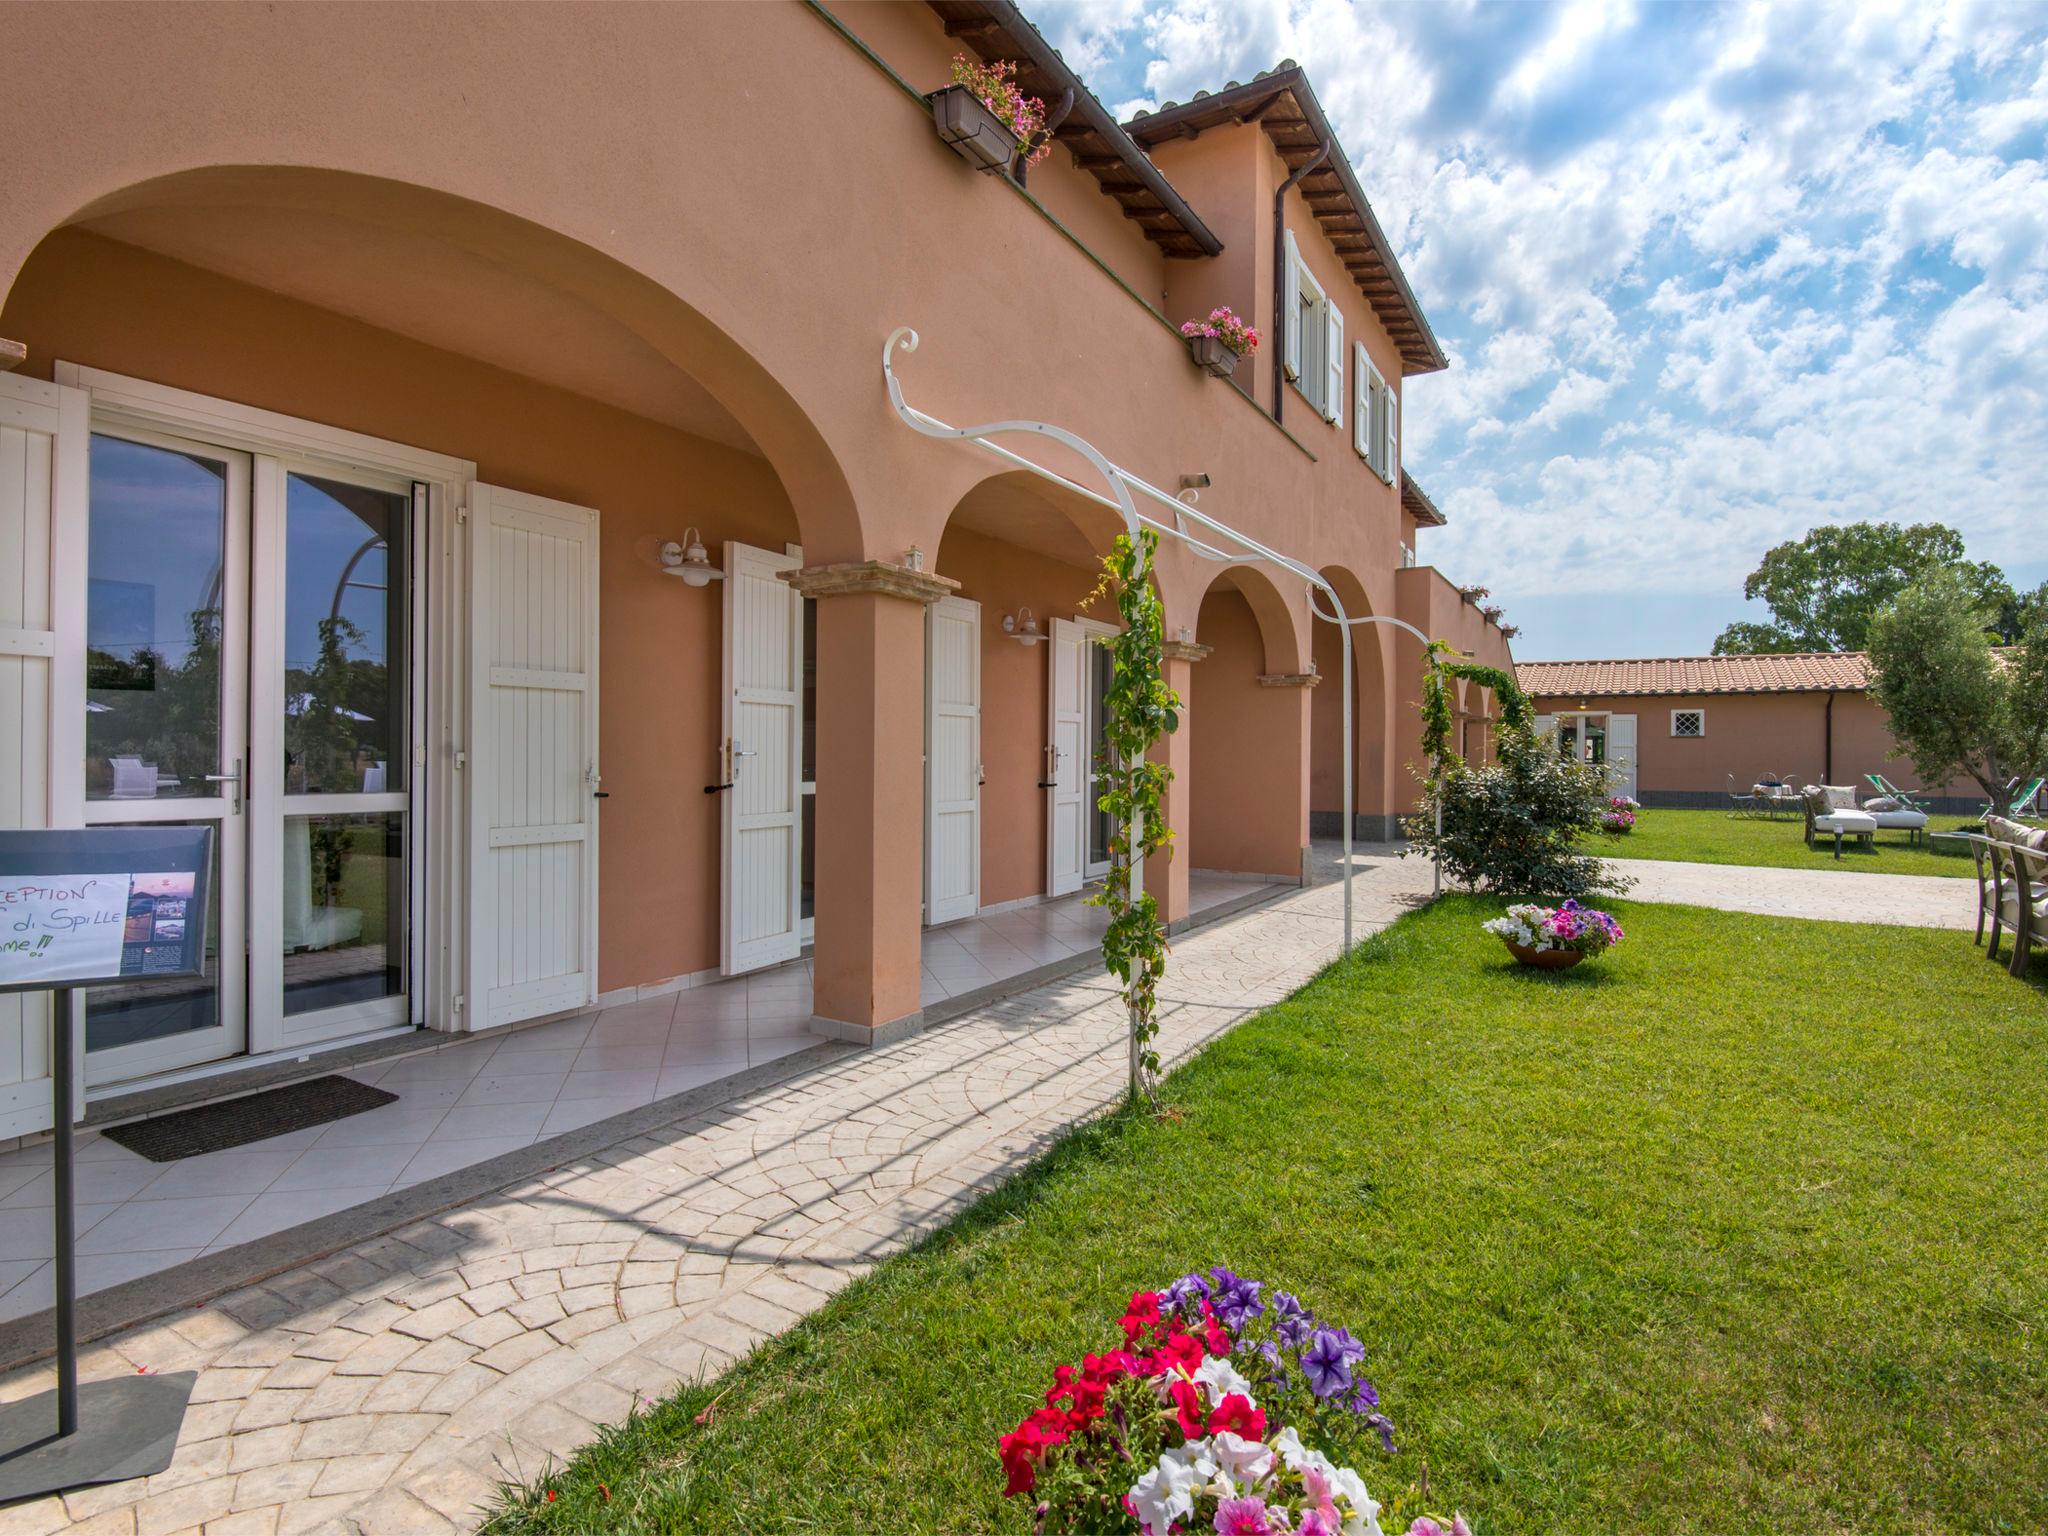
column 1960, row 706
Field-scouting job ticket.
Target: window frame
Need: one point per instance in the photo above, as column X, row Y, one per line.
column 1699, row 735
column 1311, row 317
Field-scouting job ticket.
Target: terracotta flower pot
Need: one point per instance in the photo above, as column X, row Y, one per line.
column 1212, row 356
column 1545, row 959
column 964, row 121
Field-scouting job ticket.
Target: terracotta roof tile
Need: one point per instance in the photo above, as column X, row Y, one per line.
column 1796, row 672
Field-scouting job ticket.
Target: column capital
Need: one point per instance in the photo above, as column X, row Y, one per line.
column 1289, row 679
column 848, row 577
column 1183, row 650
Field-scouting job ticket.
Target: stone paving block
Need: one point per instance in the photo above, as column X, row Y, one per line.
column 455, row 1492
column 354, row 1474
column 303, row 1517
column 442, row 1316
column 458, row 1387
column 395, row 1512
column 380, row 1355
column 400, row 1392
column 248, row 1522
column 263, row 1447
column 538, row 1311
column 513, row 1353
column 230, row 1385
column 279, row 1484
column 193, row 1504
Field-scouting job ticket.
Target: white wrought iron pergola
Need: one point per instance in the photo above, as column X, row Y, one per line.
column 1121, row 485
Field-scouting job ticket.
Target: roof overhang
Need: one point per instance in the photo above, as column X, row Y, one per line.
column 1282, row 102
column 995, row 29
column 1416, row 503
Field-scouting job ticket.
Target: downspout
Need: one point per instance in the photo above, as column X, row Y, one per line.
column 1828, row 747
column 1280, row 273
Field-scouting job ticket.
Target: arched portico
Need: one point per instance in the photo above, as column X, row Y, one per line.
column 1249, row 719
column 1368, row 718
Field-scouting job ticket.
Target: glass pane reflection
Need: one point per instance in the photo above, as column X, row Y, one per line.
column 131, row 1012
column 157, row 532
column 344, row 910
column 344, row 637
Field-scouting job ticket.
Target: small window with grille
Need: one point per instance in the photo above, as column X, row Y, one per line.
column 1688, row 722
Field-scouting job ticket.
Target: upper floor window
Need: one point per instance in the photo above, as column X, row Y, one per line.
column 1312, row 350
column 1375, row 418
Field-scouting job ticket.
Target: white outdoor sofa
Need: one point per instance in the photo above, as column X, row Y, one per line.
column 1831, row 809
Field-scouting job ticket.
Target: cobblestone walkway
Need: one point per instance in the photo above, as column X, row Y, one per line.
column 390, row 1386
column 1830, row 895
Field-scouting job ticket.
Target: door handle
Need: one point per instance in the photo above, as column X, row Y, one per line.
column 235, row 778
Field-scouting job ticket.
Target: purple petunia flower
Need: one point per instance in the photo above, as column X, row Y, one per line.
column 1292, row 1322
column 1364, row 1397
column 1187, row 1291
column 1235, row 1298
column 1327, row 1364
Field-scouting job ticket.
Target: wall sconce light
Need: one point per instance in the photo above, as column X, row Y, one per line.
column 913, row 558
column 1022, row 627
column 1194, row 482
column 1186, row 635
column 689, row 561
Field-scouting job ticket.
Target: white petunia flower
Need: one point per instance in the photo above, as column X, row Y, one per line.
column 1245, row 1461
column 1221, row 1378
column 1165, row 1494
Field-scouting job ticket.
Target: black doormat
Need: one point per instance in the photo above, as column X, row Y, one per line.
column 256, row 1117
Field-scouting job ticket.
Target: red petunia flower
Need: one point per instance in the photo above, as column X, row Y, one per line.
column 1024, row 1448
column 1237, row 1415
column 1187, row 1402
column 1142, row 1317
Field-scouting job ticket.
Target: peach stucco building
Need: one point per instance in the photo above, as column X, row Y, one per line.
column 367, row 363
column 1685, row 731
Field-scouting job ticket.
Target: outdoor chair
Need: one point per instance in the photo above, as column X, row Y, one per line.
column 2022, row 893
column 1742, row 802
column 1886, row 787
column 1892, row 813
column 2019, row 802
column 1990, row 877
column 1831, row 810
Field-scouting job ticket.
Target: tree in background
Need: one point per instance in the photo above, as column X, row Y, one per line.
column 1957, row 705
column 1824, row 590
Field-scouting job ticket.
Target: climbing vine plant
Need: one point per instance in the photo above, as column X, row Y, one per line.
column 1138, row 710
column 1439, row 666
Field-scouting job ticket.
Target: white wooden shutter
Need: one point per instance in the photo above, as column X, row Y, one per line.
column 1621, row 753
column 44, row 468
column 1333, row 353
column 1361, row 401
column 1546, row 727
column 1390, row 445
column 1066, row 837
column 532, row 766
column 1290, row 309
column 952, row 843
column 761, row 912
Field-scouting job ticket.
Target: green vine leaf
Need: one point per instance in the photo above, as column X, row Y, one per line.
column 1138, row 709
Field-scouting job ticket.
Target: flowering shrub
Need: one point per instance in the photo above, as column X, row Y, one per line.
column 1620, row 815
column 1169, row 1434
column 996, row 85
column 1571, row 926
column 1238, row 335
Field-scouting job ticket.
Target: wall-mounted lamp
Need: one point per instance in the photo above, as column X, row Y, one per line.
column 913, row 558
column 689, row 561
column 1194, row 482
column 1022, row 627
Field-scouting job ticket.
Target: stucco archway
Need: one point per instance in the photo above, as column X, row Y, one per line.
column 1370, row 734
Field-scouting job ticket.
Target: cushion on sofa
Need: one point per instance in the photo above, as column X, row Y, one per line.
column 1841, row 797
column 1877, row 803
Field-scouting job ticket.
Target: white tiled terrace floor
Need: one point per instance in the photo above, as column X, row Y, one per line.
column 462, row 1104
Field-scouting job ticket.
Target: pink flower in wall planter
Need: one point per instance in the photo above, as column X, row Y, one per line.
column 1220, row 342
column 987, row 119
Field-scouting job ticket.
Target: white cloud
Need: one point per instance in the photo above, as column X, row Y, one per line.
column 1708, row 277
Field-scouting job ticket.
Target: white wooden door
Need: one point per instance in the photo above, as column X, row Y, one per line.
column 532, row 768
column 762, row 910
column 1621, row 753
column 1066, row 837
column 43, row 475
column 952, row 773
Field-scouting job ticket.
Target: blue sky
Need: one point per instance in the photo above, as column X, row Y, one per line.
column 1709, row 275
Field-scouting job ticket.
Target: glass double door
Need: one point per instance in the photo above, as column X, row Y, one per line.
column 250, row 667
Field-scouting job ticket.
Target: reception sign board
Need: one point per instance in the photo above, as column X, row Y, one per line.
column 102, row 904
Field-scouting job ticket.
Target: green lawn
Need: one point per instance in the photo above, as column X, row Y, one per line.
column 1714, row 837
column 1738, row 1228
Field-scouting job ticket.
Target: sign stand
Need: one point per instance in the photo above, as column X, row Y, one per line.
column 112, row 1430
column 78, row 908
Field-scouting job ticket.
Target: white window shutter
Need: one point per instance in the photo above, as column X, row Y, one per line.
column 1290, row 310
column 1361, row 402
column 1333, row 392
column 1392, row 447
